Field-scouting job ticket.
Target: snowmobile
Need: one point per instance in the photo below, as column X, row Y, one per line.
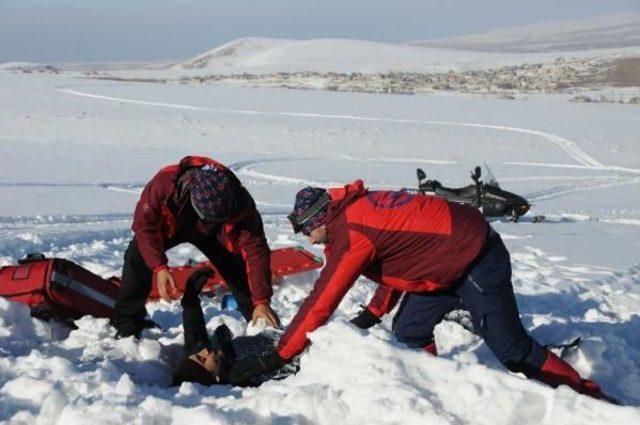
column 488, row 197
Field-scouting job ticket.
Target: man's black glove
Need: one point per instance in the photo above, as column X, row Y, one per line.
column 365, row 319
column 195, row 283
column 244, row 369
column 225, row 339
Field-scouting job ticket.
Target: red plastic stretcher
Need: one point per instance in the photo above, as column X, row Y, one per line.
column 61, row 289
column 284, row 262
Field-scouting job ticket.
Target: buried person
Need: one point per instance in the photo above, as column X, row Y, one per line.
column 209, row 361
column 201, row 202
column 439, row 253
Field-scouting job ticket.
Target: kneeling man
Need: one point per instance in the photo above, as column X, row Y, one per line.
column 440, row 253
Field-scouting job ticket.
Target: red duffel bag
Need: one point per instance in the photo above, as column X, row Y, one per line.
column 57, row 288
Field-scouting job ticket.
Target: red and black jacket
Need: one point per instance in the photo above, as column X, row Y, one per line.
column 158, row 212
column 406, row 242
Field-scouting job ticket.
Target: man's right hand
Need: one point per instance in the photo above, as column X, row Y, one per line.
column 166, row 284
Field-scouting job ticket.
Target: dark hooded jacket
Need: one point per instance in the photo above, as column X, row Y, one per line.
column 164, row 209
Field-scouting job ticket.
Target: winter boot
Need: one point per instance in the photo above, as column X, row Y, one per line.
column 555, row 372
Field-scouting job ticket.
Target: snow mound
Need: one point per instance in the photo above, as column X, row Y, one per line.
column 237, row 52
column 600, row 32
column 321, row 55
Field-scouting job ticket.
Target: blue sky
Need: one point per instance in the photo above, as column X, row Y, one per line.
column 124, row 30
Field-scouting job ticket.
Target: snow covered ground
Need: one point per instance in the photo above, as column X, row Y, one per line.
column 74, row 155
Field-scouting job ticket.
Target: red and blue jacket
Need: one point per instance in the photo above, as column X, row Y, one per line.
column 159, row 213
column 404, row 242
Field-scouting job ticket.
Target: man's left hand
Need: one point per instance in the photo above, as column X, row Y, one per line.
column 365, row 319
column 244, row 369
column 264, row 311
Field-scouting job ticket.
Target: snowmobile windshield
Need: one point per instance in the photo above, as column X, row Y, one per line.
column 491, row 178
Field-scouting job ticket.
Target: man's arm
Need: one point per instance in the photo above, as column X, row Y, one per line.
column 257, row 255
column 347, row 261
column 147, row 221
column 195, row 331
column 349, row 256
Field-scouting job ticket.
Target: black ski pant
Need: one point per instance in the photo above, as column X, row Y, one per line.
column 137, row 277
column 487, row 293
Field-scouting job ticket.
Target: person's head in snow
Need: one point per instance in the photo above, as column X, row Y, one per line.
column 208, row 360
column 441, row 254
column 201, row 202
column 206, row 367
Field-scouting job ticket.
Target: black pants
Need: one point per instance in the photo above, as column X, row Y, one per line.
column 487, row 293
column 137, row 276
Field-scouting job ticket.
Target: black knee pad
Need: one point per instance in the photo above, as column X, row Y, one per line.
column 414, row 341
column 516, row 366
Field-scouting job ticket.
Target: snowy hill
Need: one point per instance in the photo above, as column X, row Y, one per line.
column 601, row 35
column 267, row 54
column 600, row 32
column 262, row 55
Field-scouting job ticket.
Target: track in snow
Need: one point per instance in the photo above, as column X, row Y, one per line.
column 569, row 147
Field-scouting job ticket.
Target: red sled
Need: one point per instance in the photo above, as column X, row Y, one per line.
column 58, row 289
column 284, row 262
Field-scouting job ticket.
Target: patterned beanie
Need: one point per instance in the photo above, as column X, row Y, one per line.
column 214, row 193
column 305, row 199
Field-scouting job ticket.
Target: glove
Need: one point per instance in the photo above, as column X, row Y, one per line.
column 365, row 319
column 244, row 369
column 196, row 281
column 194, row 286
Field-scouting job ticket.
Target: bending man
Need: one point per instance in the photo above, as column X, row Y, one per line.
column 198, row 201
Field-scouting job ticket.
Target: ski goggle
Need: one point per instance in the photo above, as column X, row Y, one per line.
column 208, row 218
column 298, row 220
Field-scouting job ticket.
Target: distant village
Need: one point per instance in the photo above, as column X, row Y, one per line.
column 560, row 75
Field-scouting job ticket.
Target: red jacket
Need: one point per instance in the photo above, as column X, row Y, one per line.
column 412, row 243
column 158, row 214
